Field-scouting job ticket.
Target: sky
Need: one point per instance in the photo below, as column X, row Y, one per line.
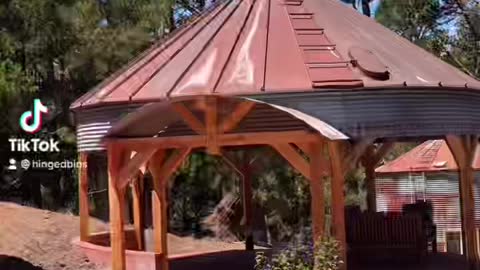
column 374, row 6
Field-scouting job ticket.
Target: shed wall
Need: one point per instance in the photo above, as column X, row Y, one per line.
column 441, row 188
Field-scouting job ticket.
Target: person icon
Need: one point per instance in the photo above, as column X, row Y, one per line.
column 13, row 164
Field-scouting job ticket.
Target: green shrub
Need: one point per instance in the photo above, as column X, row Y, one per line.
column 325, row 256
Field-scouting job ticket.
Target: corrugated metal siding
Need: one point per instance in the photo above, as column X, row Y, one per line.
column 93, row 124
column 265, row 118
column 389, row 113
column 359, row 113
column 442, row 189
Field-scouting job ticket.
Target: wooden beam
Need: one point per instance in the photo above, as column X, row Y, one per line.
column 237, row 115
column 294, row 158
column 116, row 198
column 306, row 149
column 83, row 197
column 338, row 197
column 317, row 165
column 189, row 118
column 235, row 139
column 140, row 144
column 211, row 120
column 198, row 104
column 266, row 138
column 138, row 210
column 174, row 161
column 134, row 165
column 463, row 149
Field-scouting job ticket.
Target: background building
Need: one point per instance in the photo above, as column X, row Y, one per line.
column 428, row 172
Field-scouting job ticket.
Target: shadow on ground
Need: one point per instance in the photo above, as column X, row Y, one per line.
column 225, row 260
column 14, row 263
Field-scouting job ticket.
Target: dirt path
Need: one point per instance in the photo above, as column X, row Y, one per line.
column 41, row 237
column 35, row 239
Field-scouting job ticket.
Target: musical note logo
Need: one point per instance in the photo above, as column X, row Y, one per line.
column 31, row 122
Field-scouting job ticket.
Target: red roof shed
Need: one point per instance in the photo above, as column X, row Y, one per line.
column 430, row 156
column 427, row 172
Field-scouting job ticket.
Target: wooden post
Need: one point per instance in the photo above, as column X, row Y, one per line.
column 211, row 121
column 317, row 165
column 116, row 198
column 159, row 209
column 161, row 170
column 463, row 149
column 371, row 191
column 369, row 165
column 138, row 210
column 160, row 224
column 83, row 197
column 243, row 167
column 247, row 202
column 370, row 159
column 338, row 197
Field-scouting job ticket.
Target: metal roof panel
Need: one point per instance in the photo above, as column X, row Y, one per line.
column 226, row 52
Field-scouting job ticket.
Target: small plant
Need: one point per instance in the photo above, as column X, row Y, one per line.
column 261, row 261
column 324, row 256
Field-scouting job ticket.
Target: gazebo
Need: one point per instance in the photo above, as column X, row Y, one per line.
column 309, row 78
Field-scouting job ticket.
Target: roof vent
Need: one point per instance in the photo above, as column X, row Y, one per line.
column 368, row 63
column 440, row 164
column 294, row 2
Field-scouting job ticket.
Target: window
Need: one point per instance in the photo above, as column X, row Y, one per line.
column 454, row 242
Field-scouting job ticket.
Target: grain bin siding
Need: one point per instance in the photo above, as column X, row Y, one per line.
column 442, row 189
column 94, row 124
column 389, row 113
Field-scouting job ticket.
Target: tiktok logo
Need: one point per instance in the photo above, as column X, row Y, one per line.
column 31, row 122
column 35, row 117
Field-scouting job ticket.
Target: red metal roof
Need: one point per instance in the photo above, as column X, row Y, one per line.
column 430, row 156
column 245, row 47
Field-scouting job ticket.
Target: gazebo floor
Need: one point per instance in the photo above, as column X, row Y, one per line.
column 245, row 260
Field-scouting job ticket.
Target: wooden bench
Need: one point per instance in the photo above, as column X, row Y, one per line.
column 375, row 236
